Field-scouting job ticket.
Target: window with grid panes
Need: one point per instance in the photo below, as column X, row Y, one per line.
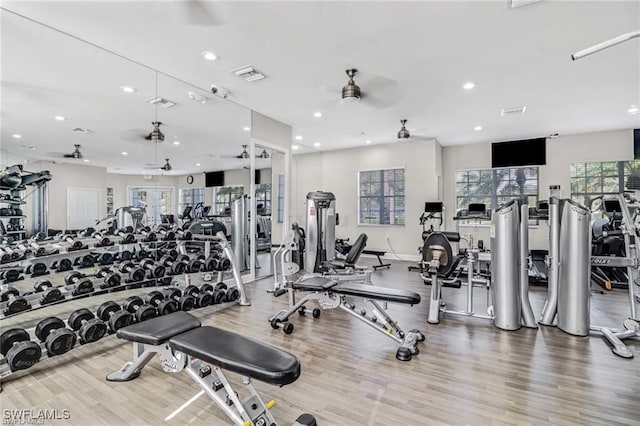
column 381, row 197
column 493, row 187
column 223, row 196
column 602, row 178
column 189, row 197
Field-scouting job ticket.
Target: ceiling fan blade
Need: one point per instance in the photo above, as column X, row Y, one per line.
column 199, row 12
column 134, row 135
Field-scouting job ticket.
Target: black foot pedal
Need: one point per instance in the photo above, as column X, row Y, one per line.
column 305, row 419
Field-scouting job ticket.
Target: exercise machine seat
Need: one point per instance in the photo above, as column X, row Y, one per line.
column 242, row 355
column 377, row 293
column 315, row 284
column 160, row 329
column 447, row 262
column 352, row 256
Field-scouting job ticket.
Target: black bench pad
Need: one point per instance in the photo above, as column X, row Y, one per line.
column 378, row 293
column 242, row 355
column 158, row 330
column 315, row 284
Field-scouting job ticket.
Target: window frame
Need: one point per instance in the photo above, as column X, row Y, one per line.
column 403, row 196
column 227, row 202
column 621, row 174
column 182, row 204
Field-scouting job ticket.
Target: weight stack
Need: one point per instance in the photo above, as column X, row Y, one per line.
column 505, row 266
column 574, row 272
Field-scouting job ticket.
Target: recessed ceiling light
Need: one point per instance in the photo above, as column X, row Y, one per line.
column 17, row 136
column 633, row 109
column 317, row 114
column 468, row 85
column 316, row 144
column 198, row 164
column 477, row 128
column 60, row 118
column 125, row 153
column 294, row 147
column 128, row 89
column 86, row 161
column 246, row 128
column 299, row 137
column 368, row 142
column 209, row 56
column 176, row 142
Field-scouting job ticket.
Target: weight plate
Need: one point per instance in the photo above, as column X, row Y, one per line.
column 187, row 235
column 154, row 298
column 142, row 254
column 194, row 265
column 218, row 297
column 204, row 299
column 64, row 265
column 172, row 253
column 113, row 280
column 10, row 291
column 11, row 275
column 18, row 304
column 9, row 337
column 159, row 271
column 109, row 307
column 120, row 319
column 132, row 303
column 125, row 255
column 60, row 341
column 208, row 288
column 137, row 274
column 187, row 303
column 220, row 286
column 83, row 287
column 210, row 264
column 128, row 239
column 73, row 277
column 76, row 318
column 106, row 259
column 42, row 285
column 233, row 294
column 46, row 326
column 51, row 295
column 146, row 312
column 92, row 331
column 178, row 268
column 23, row 355
column 182, row 258
column 224, row 264
column 126, row 266
column 38, row 268
column 191, row 290
column 167, row 307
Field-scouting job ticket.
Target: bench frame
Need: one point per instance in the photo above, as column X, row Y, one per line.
column 215, row 384
column 380, row 320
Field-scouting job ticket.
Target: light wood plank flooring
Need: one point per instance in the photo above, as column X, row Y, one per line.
column 467, row 373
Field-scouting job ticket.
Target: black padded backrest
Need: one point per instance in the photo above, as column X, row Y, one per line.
column 438, row 239
column 356, row 249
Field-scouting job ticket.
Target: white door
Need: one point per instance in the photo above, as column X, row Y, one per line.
column 83, row 207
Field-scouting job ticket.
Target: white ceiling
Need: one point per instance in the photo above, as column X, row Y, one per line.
column 413, row 58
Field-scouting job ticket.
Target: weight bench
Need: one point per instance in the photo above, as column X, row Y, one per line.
column 183, row 344
column 329, row 294
column 378, row 253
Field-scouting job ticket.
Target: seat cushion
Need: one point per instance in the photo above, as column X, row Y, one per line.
column 315, row 284
column 377, row 293
column 160, row 329
column 233, row 352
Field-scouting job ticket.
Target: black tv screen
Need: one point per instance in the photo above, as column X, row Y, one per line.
column 526, row 152
column 256, row 177
column 214, row 179
column 636, row 144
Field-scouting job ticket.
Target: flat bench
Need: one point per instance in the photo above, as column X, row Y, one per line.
column 183, row 344
column 378, row 253
column 331, row 294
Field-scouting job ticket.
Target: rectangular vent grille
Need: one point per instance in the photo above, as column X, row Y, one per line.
column 249, row 73
column 512, row 111
column 512, row 4
column 81, row 130
column 161, row 102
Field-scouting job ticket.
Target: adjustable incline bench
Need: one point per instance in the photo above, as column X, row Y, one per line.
column 182, row 344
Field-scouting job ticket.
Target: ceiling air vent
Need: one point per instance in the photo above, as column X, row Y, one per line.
column 512, row 4
column 161, row 102
column 249, row 73
column 513, row 111
column 81, row 130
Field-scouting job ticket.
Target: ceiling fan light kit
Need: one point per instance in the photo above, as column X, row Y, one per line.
column 403, row 133
column 351, row 92
column 156, row 135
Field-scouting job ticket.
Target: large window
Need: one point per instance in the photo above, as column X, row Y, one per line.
column 604, row 178
column 381, row 197
column 263, row 199
column 156, row 200
column 189, row 197
column 493, row 187
column 223, row 196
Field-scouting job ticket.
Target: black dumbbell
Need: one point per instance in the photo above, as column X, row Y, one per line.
column 184, row 234
column 218, row 292
column 148, row 234
column 15, row 253
column 104, row 258
column 11, row 275
column 222, row 263
column 83, row 285
column 167, row 234
column 86, row 261
column 176, row 266
column 164, row 306
column 139, row 309
column 102, row 240
column 233, row 294
column 110, row 278
column 141, row 254
column 51, row 293
column 127, row 237
column 87, row 232
column 202, row 298
column 135, row 272
column 123, row 256
column 62, row 265
column 111, row 313
column 185, row 302
column 21, row 353
column 73, row 244
column 57, row 338
column 156, row 270
column 15, row 302
column 200, row 264
column 36, row 269
column 89, row 328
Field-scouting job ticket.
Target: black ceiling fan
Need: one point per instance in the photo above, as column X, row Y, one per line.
column 166, row 166
column 76, row 154
column 156, row 135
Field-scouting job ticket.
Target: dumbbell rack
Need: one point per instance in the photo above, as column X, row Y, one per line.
column 14, row 200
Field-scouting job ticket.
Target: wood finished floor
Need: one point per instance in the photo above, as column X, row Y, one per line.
column 467, row 372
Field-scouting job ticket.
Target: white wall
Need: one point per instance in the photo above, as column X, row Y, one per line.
column 337, row 172
column 561, row 153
